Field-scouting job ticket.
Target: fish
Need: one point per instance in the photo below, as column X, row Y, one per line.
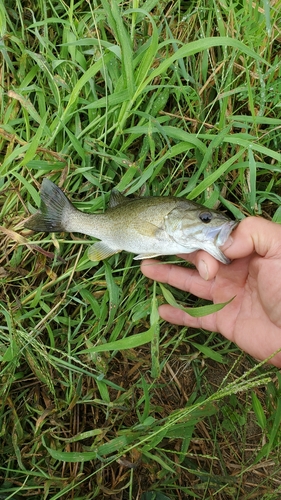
column 146, row 226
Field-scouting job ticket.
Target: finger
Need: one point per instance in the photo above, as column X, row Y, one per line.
column 179, row 317
column 254, row 234
column 206, row 264
column 257, row 349
column 188, row 280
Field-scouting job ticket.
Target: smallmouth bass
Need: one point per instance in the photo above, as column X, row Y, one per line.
column 147, row 226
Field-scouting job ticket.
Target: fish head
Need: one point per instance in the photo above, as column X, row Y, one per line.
column 199, row 228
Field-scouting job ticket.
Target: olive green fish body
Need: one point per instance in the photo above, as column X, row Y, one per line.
column 148, row 227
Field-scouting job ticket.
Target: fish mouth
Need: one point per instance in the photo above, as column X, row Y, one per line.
column 221, row 234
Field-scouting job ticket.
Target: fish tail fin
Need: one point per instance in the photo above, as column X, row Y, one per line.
column 51, row 217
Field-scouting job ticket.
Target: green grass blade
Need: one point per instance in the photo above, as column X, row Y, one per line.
column 195, row 312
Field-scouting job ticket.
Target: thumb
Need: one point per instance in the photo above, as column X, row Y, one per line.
column 254, row 234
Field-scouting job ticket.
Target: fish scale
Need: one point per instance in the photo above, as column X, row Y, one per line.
column 147, row 226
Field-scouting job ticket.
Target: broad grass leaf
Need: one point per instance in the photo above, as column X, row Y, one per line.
column 3, row 23
column 238, row 214
column 214, row 176
column 29, row 187
column 117, row 444
column 154, row 320
column 113, row 290
column 44, row 65
column 253, row 178
column 60, row 121
column 109, row 101
column 182, row 135
column 209, row 353
column 149, row 54
column 11, row 352
column 154, row 168
column 154, row 495
column 195, row 312
column 263, row 452
column 122, row 344
column 72, row 456
column 199, row 46
column 103, row 390
column 275, row 427
column 26, row 104
column 262, row 120
column 35, row 143
column 258, row 409
column 277, row 216
column 89, row 298
column 84, row 435
column 254, row 146
column 159, row 460
column 116, row 22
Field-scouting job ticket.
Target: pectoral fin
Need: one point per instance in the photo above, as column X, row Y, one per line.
column 146, row 228
column 100, row 251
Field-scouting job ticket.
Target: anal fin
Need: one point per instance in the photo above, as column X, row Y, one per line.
column 100, row 251
column 146, row 256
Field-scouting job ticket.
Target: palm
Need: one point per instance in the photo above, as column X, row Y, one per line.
column 252, row 320
column 255, row 308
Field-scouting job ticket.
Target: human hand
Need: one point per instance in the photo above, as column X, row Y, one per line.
column 253, row 319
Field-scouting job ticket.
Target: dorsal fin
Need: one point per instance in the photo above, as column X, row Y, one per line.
column 116, row 198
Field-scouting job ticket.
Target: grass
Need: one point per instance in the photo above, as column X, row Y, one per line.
column 99, row 398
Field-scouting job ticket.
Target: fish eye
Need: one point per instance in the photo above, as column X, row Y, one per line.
column 206, row 217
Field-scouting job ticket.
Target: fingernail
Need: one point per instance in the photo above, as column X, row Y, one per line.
column 203, row 270
column 227, row 244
